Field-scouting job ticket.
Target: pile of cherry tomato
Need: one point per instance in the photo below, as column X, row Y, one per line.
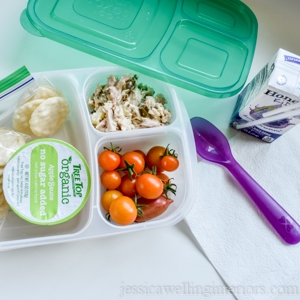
column 137, row 187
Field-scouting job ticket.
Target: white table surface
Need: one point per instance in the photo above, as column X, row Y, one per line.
column 107, row 268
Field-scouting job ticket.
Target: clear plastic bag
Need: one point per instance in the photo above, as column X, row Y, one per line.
column 11, row 88
column 10, row 142
column 37, row 109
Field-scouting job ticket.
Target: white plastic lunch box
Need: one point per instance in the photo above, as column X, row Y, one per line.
column 77, row 86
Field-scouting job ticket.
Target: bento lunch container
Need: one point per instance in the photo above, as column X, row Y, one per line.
column 205, row 46
column 77, row 86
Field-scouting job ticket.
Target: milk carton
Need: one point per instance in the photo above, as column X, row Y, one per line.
column 277, row 85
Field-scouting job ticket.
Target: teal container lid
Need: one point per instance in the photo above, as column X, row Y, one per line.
column 205, row 46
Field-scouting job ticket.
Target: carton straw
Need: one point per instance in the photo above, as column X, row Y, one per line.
column 288, row 114
column 281, row 110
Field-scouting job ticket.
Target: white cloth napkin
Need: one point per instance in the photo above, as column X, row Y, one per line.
column 248, row 255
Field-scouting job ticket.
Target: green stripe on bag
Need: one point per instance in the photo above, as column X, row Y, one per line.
column 14, row 78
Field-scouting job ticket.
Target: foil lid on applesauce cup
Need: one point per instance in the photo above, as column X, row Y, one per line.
column 46, row 182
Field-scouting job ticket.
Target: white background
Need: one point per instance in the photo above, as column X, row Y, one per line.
column 99, row 268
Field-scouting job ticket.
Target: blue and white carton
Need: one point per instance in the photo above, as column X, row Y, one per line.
column 276, row 86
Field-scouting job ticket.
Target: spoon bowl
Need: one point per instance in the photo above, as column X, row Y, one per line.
column 211, row 144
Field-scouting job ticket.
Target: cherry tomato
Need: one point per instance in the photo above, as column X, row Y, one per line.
column 135, row 163
column 152, row 208
column 108, row 160
column 169, row 163
column 123, row 210
column 110, row 179
column 108, row 197
column 149, row 186
column 127, row 186
column 153, row 158
column 164, row 178
column 142, row 153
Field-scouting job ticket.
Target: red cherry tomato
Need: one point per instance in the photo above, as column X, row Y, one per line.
column 110, row 179
column 149, row 186
column 152, row 208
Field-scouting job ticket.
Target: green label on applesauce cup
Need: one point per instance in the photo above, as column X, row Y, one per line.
column 46, row 182
column 43, row 182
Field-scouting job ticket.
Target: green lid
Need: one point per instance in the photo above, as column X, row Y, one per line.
column 206, row 46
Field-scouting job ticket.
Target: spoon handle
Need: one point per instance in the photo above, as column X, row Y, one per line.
column 281, row 221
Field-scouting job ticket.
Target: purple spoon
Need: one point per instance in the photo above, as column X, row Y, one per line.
column 212, row 145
